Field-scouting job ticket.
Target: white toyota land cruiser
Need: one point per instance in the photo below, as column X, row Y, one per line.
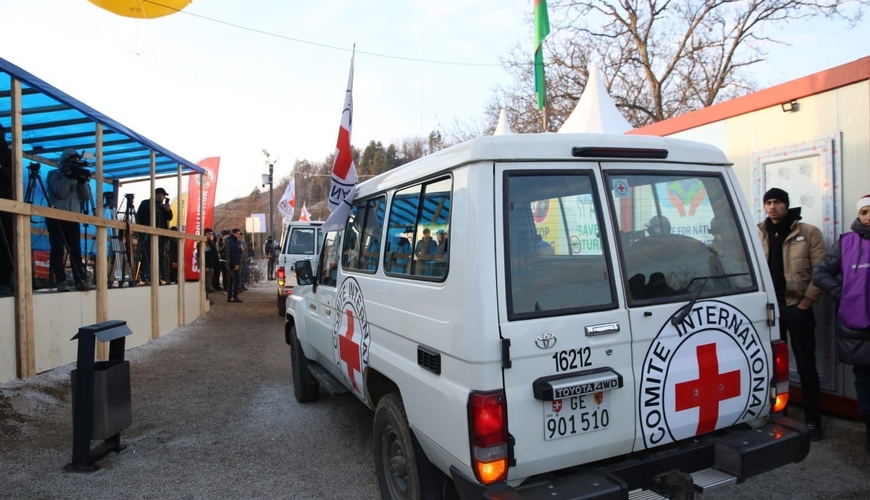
column 552, row 316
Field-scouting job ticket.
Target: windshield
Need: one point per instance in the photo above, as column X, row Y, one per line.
column 674, row 230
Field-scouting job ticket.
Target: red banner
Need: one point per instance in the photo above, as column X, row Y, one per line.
column 192, row 224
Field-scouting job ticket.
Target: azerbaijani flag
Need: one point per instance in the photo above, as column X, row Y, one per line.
column 542, row 29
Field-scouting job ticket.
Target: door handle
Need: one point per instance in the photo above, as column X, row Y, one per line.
column 602, row 329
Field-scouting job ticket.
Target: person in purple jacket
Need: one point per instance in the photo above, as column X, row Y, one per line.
column 844, row 274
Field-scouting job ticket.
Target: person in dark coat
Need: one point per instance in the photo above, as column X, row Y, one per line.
column 844, row 274
column 211, row 262
column 234, row 265
column 6, row 233
column 162, row 216
column 270, row 254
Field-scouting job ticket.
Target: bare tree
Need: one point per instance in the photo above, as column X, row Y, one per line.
column 660, row 58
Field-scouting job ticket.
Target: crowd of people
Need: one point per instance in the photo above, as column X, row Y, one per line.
column 229, row 262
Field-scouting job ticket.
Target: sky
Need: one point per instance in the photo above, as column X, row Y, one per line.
column 203, row 88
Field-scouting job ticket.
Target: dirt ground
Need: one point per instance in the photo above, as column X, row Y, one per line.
column 214, row 418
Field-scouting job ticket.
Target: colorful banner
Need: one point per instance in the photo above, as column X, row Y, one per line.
column 192, row 225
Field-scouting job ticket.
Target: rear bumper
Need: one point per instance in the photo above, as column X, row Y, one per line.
column 740, row 453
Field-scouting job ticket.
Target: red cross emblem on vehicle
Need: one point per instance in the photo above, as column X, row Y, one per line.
column 708, row 390
column 350, row 350
column 557, row 405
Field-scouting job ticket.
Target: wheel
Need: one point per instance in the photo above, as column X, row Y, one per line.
column 404, row 472
column 282, row 306
column 306, row 388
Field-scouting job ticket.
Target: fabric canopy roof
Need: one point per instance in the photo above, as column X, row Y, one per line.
column 595, row 112
column 53, row 121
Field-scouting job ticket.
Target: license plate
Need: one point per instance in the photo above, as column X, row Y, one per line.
column 576, row 415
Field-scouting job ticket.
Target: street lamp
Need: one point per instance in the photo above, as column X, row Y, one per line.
column 271, row 192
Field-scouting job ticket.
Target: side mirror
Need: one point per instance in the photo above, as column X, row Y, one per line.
column 304, row 274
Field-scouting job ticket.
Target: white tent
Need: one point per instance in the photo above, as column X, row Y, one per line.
column 502, row 128
column 595, row 112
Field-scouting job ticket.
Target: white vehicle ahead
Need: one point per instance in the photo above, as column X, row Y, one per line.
column 300, row 241
column 552, row 316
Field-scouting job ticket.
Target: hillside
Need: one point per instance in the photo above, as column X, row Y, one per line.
column 232, row 214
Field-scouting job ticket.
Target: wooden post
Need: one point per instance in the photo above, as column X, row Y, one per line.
column 180, row 281
column 155, row 256
column 101, row 272
column 24, row 329
column 201, row 253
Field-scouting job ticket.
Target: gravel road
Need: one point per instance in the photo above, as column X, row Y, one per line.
column 214, row 418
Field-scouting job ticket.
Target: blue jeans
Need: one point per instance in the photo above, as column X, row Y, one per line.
column 862, row 388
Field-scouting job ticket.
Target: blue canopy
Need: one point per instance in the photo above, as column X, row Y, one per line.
column 53, row 121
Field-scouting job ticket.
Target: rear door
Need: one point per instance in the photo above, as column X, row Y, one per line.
column 302, row 243
column 683, row 236
column 569, row 386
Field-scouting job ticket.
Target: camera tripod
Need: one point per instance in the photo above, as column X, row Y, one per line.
column 119, row 265
column 34, row 182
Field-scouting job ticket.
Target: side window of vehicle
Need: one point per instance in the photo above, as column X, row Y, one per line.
column 352, row 230
column 418, row 231
column 363, row 233
column 327, row 271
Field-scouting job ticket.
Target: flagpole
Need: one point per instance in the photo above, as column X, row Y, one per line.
column 544, row 116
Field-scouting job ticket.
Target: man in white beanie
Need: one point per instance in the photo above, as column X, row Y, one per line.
column 845, row 275
column 67, row 189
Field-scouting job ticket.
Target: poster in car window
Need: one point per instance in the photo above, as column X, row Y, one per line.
column 685, row 204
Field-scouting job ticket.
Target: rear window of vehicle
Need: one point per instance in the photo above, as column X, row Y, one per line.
column 302, row 240
column 679, row 235
column 555, row 248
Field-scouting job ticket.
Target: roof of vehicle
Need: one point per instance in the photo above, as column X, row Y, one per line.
column 540, row 147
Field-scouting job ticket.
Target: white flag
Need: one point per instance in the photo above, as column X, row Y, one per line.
column 344, row 177
column 305, row 215
column 287, row 205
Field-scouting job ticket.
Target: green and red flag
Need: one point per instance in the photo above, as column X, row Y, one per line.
column 542, row 29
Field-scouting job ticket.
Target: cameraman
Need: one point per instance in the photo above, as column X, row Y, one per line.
column 162, row 216
column 67, row 189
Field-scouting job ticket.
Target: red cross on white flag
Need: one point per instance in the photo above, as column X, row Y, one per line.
column 344, row 177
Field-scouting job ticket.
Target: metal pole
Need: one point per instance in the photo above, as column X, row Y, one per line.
column 271, row 201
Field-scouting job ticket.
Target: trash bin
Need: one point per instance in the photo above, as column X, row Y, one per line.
column 113, row 409
column 101, row 403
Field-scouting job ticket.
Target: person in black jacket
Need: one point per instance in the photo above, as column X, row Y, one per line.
column 234, row 265
column 6, row 234
column 270, row 254
column 211, row 262
column 221, row 242
column 162, row 216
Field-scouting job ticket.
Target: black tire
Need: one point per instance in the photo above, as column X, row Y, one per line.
column 404, row 472
column 282, row 306
column 306, row 388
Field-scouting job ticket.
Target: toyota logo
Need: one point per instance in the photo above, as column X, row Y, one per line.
column 545, row 340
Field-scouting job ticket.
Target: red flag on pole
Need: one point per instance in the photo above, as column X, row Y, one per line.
column 344, row 177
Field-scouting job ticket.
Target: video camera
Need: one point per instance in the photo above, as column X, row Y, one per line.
column 74, row 166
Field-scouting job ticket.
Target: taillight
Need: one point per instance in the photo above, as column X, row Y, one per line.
column 487, row 428
column 281, row 276
column 780, row 375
